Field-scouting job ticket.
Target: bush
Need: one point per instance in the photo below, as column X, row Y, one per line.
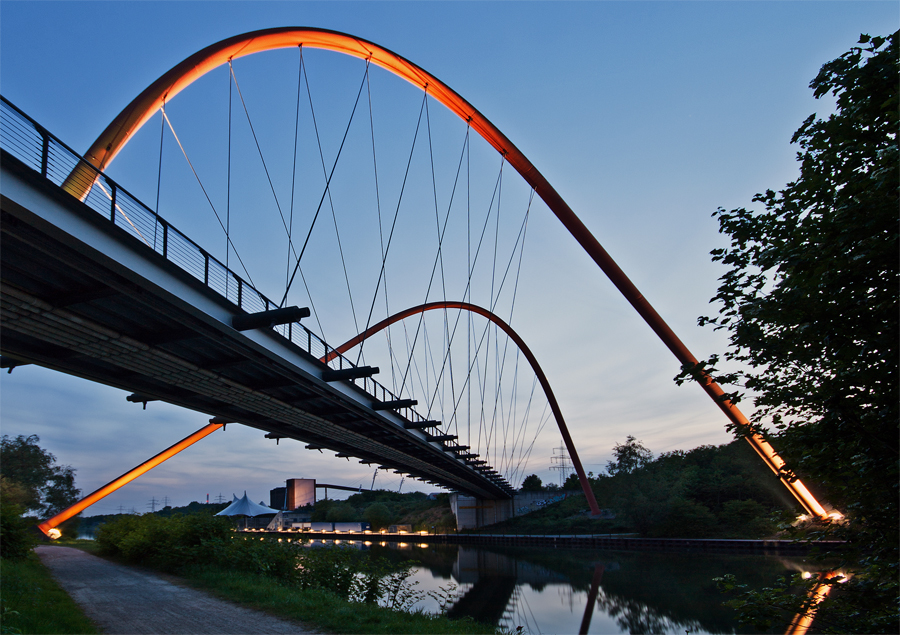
column 378, row 515
column 16, row 539
column 167, row 543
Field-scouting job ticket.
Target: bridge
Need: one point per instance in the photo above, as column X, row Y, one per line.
column 97, row 284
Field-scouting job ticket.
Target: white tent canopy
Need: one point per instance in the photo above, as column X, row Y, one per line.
column 246, row 507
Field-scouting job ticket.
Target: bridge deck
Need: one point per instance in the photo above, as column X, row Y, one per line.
column 84, row 296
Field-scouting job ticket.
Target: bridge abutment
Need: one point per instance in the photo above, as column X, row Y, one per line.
column 474, row 513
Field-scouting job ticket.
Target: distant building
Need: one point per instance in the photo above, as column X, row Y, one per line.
column 297, row 493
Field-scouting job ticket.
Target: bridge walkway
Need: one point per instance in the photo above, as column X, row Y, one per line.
column 122, row 600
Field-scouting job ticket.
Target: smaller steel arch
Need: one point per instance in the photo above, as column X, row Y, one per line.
column 532, row 360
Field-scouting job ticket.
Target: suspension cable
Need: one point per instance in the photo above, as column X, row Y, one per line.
column 330, row 199
column 394, row 222
column 380, row 229
column 287, row 267
column 162, row 130
column 260, row 152
column 325, row 192
column 208, row 200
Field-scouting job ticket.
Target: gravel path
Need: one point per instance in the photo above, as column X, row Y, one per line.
column 125, row 601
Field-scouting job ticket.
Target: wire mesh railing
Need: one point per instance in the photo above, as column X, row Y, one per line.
column 29, row 142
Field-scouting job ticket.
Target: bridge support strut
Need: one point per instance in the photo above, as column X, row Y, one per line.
column 49, row 525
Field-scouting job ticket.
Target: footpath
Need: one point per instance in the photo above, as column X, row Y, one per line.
column 125, row 601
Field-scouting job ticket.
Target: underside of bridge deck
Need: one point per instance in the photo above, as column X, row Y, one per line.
column 71, row 305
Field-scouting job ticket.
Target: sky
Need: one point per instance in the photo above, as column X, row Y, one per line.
column 646, row 117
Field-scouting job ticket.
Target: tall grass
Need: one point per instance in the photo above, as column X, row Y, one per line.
column 32, row 602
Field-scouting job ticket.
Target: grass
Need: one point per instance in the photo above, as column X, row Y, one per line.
column 32, row 601
column 320, row 609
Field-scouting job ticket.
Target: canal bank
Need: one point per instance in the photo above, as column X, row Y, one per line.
column 628, row 542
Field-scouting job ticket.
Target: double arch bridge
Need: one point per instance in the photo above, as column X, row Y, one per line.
column 99, row 285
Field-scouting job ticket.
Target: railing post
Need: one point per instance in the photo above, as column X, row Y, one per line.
column 45, row 151
column 165, row 240
column 206, row 269
column 112, row 201
column 240, row 292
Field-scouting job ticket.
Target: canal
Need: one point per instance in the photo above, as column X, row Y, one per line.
column 547, row 590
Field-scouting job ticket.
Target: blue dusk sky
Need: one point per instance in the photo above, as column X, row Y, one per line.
column 645, row 116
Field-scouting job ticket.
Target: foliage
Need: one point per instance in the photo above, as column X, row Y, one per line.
column 413, row 508
column 322, row 609
column 630, row 456
column 532, row 483
column 31, row 601
column 341, row 512
column 708, row 492
column 166, row 543
column 810, row 306
column 16, row 541
column 45, row 488
column 378, row 515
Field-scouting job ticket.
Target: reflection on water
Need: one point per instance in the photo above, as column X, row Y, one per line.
column 587, row 591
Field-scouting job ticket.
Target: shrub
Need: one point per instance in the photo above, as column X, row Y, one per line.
column 16, row 539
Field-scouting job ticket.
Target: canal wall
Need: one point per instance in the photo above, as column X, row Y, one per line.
column 579, row 541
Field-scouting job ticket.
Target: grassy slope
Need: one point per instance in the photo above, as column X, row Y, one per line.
column 34, row 603
column 321, row 609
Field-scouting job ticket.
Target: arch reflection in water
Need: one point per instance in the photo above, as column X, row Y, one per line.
column 587, row 591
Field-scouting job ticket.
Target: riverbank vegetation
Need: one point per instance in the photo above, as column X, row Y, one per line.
column 32, row 602
column 339, row 590
column 30, row 599
column 709, row 492
column 382, row 508
column 809, row 304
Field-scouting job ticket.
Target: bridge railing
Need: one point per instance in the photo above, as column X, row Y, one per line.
column 29, row 142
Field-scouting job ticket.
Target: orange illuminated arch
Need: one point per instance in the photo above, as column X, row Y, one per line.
column 538, row 372
column 145, row 105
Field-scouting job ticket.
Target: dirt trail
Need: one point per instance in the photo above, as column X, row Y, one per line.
column 125, row 601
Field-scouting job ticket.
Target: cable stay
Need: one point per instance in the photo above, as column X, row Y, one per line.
column 206, row 194
column 325, row 192
column 327, row 188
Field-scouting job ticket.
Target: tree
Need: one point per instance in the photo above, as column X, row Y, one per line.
column 45, row 488
column 532, row 483
column 810, row 307
column 378, row 515
column 630, row 456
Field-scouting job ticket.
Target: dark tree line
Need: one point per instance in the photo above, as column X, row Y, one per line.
column 810, row 304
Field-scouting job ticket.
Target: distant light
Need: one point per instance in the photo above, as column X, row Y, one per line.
column 807, row 575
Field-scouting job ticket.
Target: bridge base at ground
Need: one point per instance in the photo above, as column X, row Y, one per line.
column 474, row 513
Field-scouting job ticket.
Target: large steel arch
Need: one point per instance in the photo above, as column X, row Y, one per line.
column 532, row 360
column 145, row 105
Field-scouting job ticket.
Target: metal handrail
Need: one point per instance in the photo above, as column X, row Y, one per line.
column 37, row 148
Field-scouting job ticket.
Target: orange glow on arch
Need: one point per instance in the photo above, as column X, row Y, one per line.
column 145, row 105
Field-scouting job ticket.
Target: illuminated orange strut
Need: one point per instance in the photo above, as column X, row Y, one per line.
column 538, row 372
column 803, row 620
column 126, row 478
column 145, row 105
